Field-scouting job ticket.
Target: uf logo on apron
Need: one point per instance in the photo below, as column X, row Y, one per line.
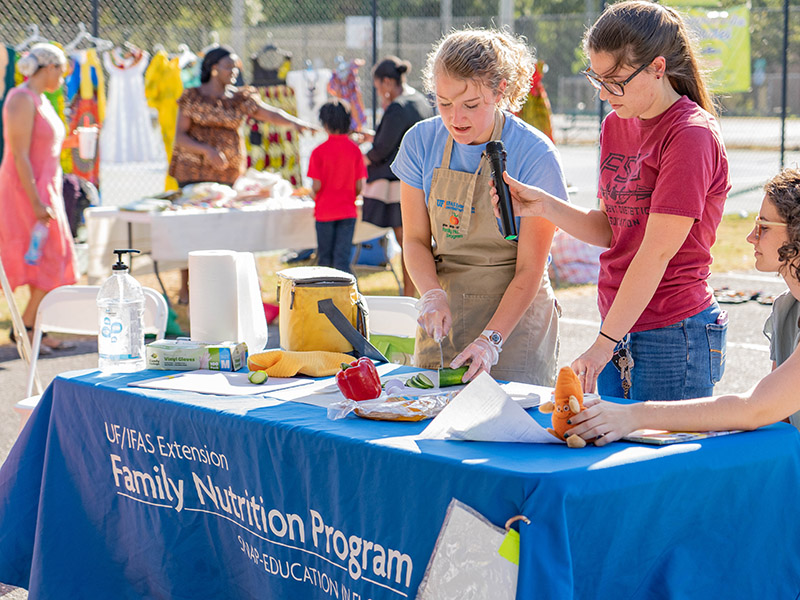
column 451, row 228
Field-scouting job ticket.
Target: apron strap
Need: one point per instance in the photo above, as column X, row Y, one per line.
column 497, row 133
column 448, row 151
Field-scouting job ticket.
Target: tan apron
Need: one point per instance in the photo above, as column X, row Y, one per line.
column 475, row 265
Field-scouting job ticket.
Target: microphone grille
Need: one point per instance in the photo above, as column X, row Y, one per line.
column 495, row 146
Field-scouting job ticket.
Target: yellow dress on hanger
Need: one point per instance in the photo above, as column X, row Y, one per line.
column 162, row 88
column 87, row 86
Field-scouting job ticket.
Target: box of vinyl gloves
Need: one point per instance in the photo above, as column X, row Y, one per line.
column 184, row 354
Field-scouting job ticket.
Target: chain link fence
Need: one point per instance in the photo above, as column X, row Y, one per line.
column 319, row 35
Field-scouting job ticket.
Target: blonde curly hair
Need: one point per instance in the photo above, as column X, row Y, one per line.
column 487, row 55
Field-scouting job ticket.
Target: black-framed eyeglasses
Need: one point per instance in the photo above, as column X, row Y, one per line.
column 615, row 88
column 762, row 224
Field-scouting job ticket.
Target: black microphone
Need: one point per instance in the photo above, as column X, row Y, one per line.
column 496, row 151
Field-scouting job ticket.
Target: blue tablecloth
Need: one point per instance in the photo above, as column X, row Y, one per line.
column 116, row 492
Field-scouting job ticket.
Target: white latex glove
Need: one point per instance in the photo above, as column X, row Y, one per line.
column 434, row 314
column 481, row 353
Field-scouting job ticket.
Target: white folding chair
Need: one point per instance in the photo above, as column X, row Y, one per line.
column 73, row 309
column 392, row 315
column 395, row 319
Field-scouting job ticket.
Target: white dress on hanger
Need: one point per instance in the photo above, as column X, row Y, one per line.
column 311, row 91
column 128, row 134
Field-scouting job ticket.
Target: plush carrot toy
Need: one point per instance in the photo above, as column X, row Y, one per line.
column 568, row 402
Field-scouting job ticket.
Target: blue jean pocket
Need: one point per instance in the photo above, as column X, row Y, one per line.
column 717, row 340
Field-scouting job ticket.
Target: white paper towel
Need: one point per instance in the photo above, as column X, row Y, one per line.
column 225, row 299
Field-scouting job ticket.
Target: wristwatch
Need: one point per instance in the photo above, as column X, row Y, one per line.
column 495, row 337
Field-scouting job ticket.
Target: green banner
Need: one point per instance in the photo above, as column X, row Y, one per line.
column 724, row 37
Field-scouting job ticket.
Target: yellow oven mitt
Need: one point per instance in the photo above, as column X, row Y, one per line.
column 283, row 363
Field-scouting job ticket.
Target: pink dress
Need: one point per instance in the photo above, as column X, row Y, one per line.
column 57, row 265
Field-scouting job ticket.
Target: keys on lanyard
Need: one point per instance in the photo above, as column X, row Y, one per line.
column 623, row 361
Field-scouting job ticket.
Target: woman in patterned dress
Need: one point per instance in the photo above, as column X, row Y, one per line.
column 208, row 142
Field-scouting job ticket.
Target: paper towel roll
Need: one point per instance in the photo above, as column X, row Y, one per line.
column 225, row 299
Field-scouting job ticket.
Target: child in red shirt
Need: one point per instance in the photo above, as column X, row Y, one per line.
column 338, row 172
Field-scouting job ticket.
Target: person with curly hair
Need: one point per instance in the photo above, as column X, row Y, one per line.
column 776, row 243
column 662, row 187
column 480, row 293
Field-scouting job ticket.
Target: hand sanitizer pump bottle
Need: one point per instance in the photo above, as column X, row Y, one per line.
column 120, row 304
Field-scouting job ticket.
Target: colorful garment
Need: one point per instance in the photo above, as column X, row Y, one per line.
column 93, row 82
column 536, row 111
column 57, row 264
column 271, row 146
column 8, row 61
column 162, row 88
column 310, row 90
column 190, row 75
column 344, row 84
column 86, row 95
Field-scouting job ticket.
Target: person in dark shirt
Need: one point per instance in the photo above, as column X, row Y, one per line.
column 403, row 106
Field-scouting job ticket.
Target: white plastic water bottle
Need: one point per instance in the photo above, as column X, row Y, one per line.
column 38, row 238
column 120, row 303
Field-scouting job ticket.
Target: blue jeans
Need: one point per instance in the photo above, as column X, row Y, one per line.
column 682, row 360
column 334, row 243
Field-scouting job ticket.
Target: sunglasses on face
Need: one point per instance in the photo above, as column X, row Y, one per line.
column 763, row 224
column 615, row 88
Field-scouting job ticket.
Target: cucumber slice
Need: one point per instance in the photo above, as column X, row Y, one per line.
column 425, row 381
column 258, row 377
column 448, row 377
column 413, row 382
column 417, row 382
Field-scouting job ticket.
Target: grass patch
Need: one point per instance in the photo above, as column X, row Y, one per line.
column 731, row 253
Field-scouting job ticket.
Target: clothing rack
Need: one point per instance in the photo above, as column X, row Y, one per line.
column 84, row 36
column 186, row 56
column 33, row 38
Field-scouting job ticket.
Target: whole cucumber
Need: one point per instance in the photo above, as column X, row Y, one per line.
column 448, row 377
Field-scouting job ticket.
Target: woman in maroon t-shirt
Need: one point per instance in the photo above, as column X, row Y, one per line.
column 663, row 184
column 776, row 242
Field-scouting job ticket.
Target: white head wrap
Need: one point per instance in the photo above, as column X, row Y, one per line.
column 40, row 55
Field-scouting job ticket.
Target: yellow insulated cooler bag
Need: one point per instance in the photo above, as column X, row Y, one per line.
column 302, row 326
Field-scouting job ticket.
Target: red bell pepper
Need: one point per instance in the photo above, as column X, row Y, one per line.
column 359, row 380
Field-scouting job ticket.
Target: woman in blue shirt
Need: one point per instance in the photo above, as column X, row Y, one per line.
column 481, row 294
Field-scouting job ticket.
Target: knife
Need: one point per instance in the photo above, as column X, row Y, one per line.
column 441, row 363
